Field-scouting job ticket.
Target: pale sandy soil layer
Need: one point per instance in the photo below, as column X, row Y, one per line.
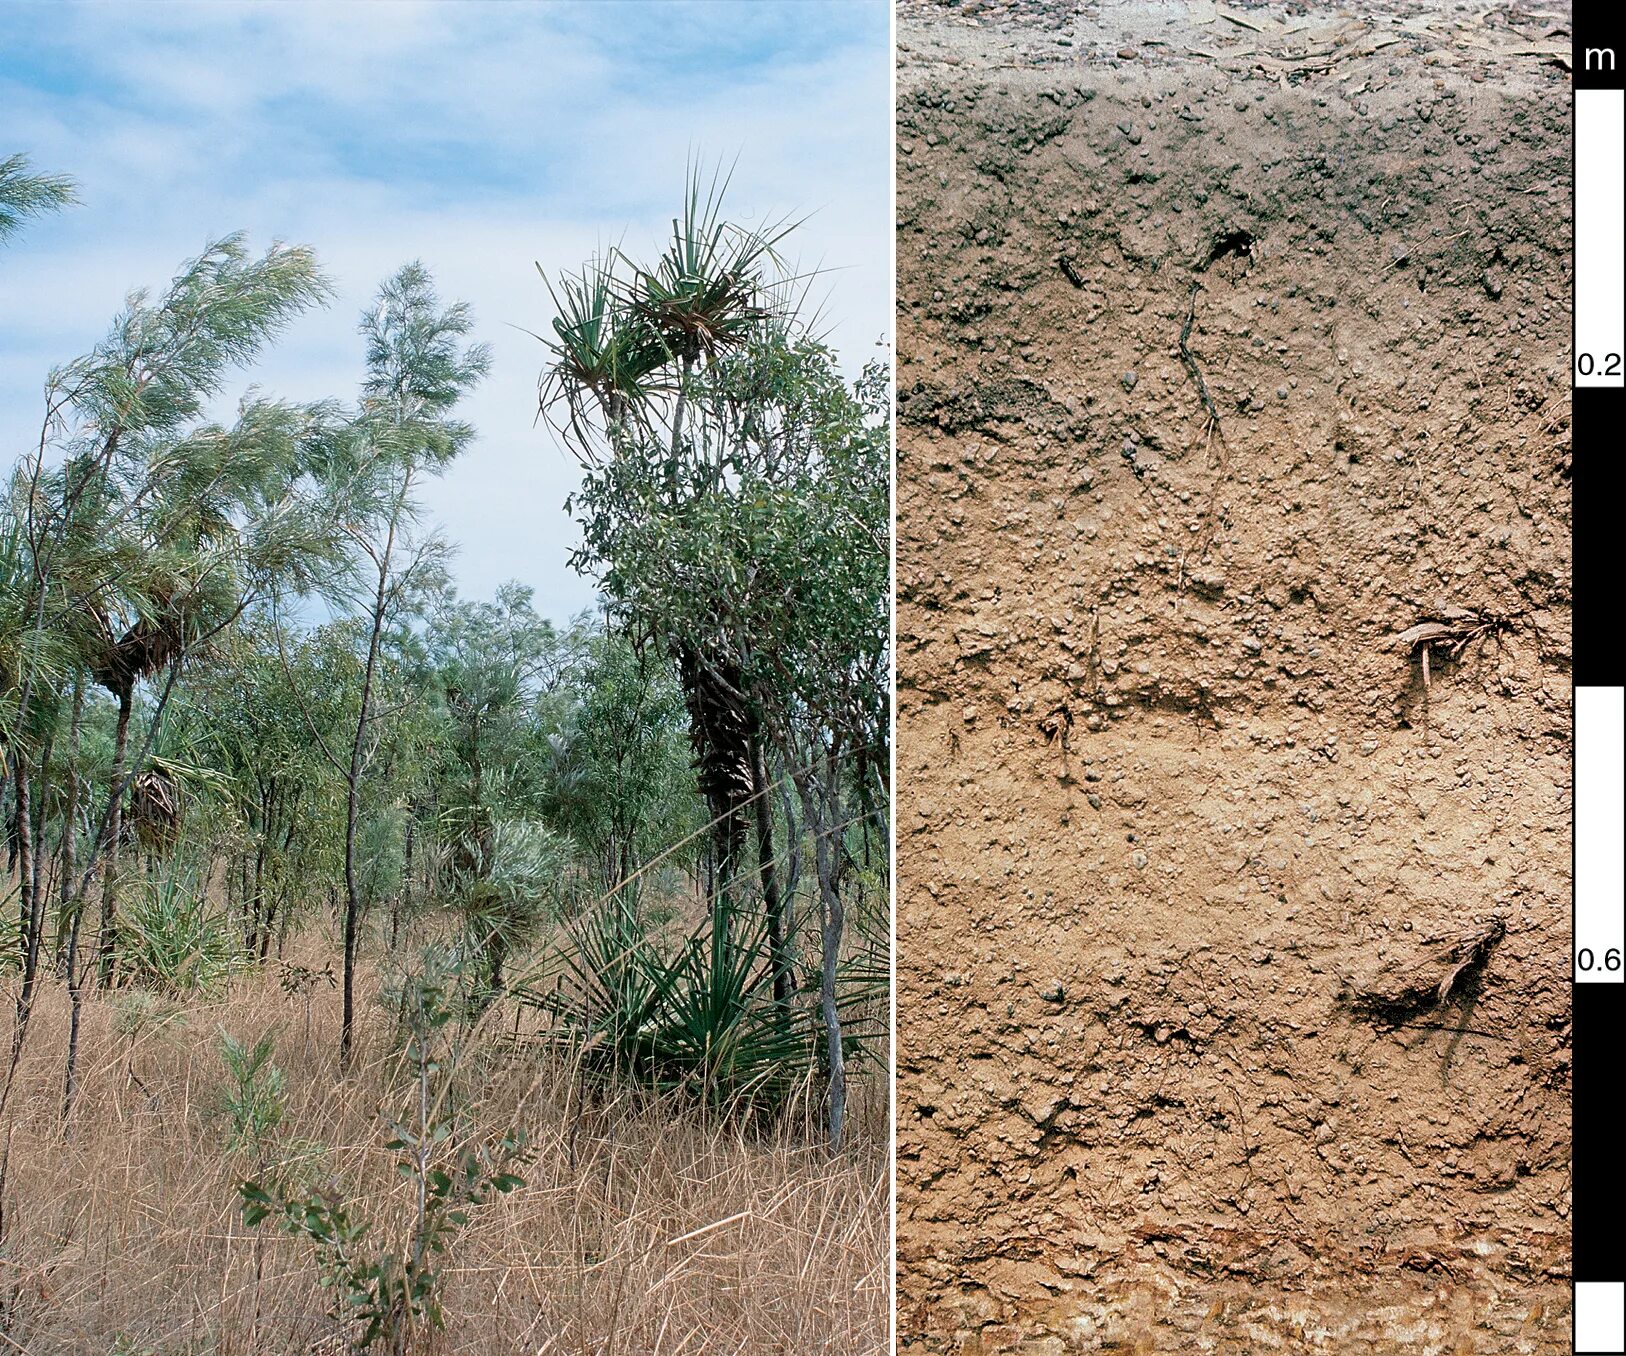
column 1233, row 951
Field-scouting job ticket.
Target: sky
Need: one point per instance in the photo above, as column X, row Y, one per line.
column 482, row 138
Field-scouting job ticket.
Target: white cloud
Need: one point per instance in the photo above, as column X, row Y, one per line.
column 478, row 138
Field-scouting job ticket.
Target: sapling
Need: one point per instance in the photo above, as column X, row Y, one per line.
column 385, row 1295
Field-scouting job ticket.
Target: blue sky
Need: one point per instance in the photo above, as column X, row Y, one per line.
column 478, row 137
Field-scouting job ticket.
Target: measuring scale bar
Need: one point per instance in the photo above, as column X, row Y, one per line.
column 1600, row 812
column 1600, row 237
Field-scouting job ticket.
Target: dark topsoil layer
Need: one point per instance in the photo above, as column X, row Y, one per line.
column 1233, row 943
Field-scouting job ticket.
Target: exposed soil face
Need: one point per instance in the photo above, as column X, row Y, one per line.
column 1233, row 989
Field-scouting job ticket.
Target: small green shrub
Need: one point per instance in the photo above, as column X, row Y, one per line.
column 255, row 1096
column 173, row 940
column 697, row 1018
column 382, row 1295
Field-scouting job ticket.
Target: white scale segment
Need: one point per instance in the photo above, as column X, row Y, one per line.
column 1600, row 238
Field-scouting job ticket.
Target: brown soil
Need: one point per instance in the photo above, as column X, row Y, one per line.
column 1233, row 956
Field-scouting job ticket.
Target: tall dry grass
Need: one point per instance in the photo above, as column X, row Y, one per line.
column 643, row 1227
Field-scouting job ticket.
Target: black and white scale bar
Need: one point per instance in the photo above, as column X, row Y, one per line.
column 1599, row 517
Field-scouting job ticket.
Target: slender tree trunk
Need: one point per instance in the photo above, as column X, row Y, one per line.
column 762, row 806
column 399, row 901
column 793, row 841
column 76, row 999
column 23, row 839
column 35, row 886
column 271, row 895
column 107, row 950
column 22, row 787
column 679, row 417
column 68, row 848
column 110, row 825
column 821, row 808
column 257, row 899
column 352, row 895
column 11, row 839
column 352, row 803
column 29, row 922
column 38, row 793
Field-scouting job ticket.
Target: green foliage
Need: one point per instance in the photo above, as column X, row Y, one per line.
column 255, row 711
column 381, row 852
column 602, row 353
column 141, row 530
column 493, row 667
column 735, row 510
column 516, row 886
column 164, row 361
column 24, row 194
column 744, row 507
column 418, row 369
column 256, row 1094
column 429, row 753
column 622, row 781
column 173, row 939
column 696, row 1018
column 705, row 292
column 382, row 1295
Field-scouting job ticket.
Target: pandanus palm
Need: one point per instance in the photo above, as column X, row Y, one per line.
column 630, row 343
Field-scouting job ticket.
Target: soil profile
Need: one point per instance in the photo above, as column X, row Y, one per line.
column 1234, row 689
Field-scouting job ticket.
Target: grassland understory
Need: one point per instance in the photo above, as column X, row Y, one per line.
column 643, row 1225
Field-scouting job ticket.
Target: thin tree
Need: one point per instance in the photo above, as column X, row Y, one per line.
column 418, row 369
column 120, row 453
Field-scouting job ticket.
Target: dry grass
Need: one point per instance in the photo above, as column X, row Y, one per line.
column 643, row 1227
